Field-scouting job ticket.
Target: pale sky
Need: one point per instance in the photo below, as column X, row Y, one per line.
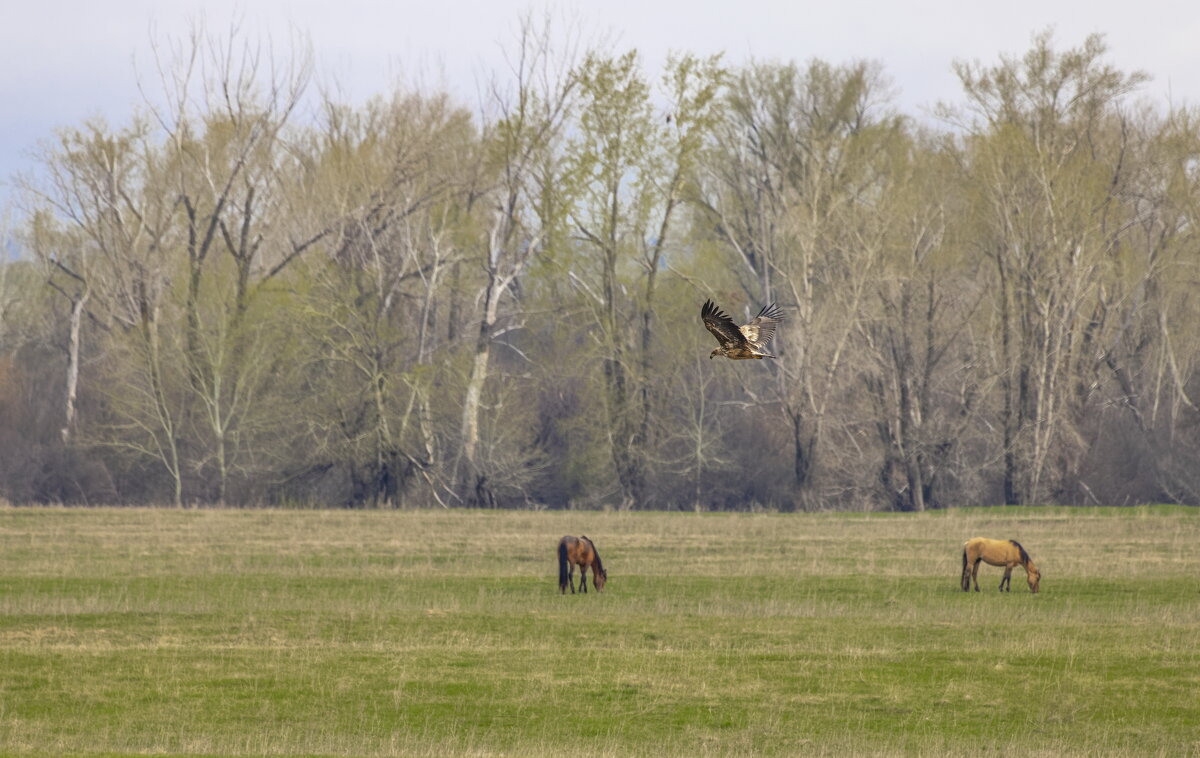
column 63, row 61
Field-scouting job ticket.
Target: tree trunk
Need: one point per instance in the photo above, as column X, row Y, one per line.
column 73, row 365
column 802, row 442
column 470, row 480
column 471, row 403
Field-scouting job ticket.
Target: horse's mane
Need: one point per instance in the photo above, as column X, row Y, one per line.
column 595, row 552
column 1021, row 550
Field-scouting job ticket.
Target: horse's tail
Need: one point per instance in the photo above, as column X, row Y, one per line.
column 563, row 575
column 966, row 580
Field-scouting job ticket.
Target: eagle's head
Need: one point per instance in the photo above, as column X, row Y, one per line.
column 715, row 353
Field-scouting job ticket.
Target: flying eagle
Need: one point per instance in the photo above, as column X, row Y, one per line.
column 741, row 342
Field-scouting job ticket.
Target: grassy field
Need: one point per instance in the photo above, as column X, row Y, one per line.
column 443, row 633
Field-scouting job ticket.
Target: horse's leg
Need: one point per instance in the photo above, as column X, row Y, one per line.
column 1006, row 581
column 975, row 573
column 583, row 577
column 571, row 577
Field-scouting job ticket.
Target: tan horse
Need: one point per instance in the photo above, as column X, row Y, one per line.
column 1006, row 553
column 579, row 551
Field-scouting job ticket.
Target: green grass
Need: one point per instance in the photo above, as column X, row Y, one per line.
column 434, row 633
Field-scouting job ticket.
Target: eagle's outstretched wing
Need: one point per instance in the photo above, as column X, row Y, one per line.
column 761, row 330
column 721, row 326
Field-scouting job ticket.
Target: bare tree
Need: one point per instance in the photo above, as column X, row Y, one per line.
column 633, row 166
column 226, row 106
column 525, row 127
column 1151, row 347
column 99, row 230
column 795, row 173
column 400, row 170
column 1047, row 156
column 922, row 394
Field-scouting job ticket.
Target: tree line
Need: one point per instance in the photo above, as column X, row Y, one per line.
column 251, row 293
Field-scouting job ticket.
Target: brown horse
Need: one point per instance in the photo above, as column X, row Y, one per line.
column 579, row 551
column 1006, row 553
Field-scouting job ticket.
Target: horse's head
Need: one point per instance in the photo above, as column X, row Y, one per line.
column 1033, row 575
column 599, row 578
